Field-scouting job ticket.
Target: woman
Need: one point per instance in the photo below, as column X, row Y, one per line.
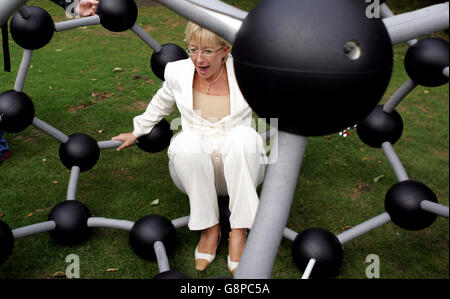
column 217, row 152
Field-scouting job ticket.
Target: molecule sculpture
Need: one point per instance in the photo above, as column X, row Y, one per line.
column 305, row 71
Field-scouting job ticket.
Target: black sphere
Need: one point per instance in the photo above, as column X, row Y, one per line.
column 149, row 229
column 402, row 202
column 168, row 53
column 321, row 245
column 158, row 138
column 117, row 15
column 6, row 242
column 33, row 32
column 171, row 275
column 379, row 127
column 318, row 66
column 425, row 61
column 80, row 150
column 71, row 222
column 16, row 111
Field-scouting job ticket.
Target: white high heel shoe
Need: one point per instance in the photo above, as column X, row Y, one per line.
column 232, row 266
column 202, row 260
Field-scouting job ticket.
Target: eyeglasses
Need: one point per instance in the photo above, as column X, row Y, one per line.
column 207, row 52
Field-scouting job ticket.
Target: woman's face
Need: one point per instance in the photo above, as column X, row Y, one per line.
column 208, row 66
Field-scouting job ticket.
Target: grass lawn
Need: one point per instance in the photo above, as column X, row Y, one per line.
column 342, row 181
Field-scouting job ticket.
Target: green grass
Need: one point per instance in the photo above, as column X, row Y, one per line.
column 335, row 190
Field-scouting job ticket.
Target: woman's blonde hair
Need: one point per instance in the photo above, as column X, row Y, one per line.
column 195, row 33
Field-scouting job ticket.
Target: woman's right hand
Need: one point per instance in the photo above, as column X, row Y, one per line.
column 128, row 140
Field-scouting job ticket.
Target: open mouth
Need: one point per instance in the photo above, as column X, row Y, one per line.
column 203, row 68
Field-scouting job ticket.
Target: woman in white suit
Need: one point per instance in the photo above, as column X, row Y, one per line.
column 217, row 152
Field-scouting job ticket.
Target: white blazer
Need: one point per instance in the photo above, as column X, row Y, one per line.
column 178, row 89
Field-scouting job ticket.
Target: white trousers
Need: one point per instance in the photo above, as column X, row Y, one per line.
column 203, row 172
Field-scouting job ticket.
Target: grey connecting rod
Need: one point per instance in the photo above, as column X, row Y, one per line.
column 8, row 8
column 275, row 203
column 222, row 24
column 407, row 26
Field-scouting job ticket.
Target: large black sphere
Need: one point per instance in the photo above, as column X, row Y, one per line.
column 33, row 32
column 425, row 61
column 117, row 15
column 149, row 229
column 168, row 53
column 71, row 222
column 6, row 242
column 80, row 150
column 402, row 202
column 317, row 65
column 379, row 127
column 16, row 111
column 321, row 245
column 171, row 275
column 158, row 138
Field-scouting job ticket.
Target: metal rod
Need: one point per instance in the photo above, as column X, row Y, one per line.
column 364, row 227
column 8, row 8
column 394, row 161
column 445, row 72
column 274, row 206
column 33, row 229
column 222, row 7
column 289, row 234
column 50, row 130
column 73, row 182
column 223, row 25
column 180, row 222
column 386, row 13
column 23, row 70
column 399, row 95
column 75, row 23
column 24, row 12
column 309, row 268
column 110, row 223
column 407, row 26
column 435, row 208
column 161, row 256
column 146, row 38
column 109, row 144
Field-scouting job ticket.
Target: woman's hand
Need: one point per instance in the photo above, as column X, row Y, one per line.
column 87, row 7
column 128, row 140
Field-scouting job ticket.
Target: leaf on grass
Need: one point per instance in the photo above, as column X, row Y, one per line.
column 346, row 228
column 1, row 214
column 112, row 270
column 100, row 131
column 101, row 95
column 55, row 182
column 155, row 202
column 375, row 180
column 117, row 69
column 29, row 215
column 59, row 274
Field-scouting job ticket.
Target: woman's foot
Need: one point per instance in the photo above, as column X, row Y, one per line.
column 207, row 247
column 237, row 240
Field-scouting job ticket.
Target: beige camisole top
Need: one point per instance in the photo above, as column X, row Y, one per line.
column 210, row 107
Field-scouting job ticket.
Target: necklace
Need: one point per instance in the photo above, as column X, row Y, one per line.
column 207, row 84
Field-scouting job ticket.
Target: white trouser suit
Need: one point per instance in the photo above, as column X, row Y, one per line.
column 202, row 172
column 207, row 159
